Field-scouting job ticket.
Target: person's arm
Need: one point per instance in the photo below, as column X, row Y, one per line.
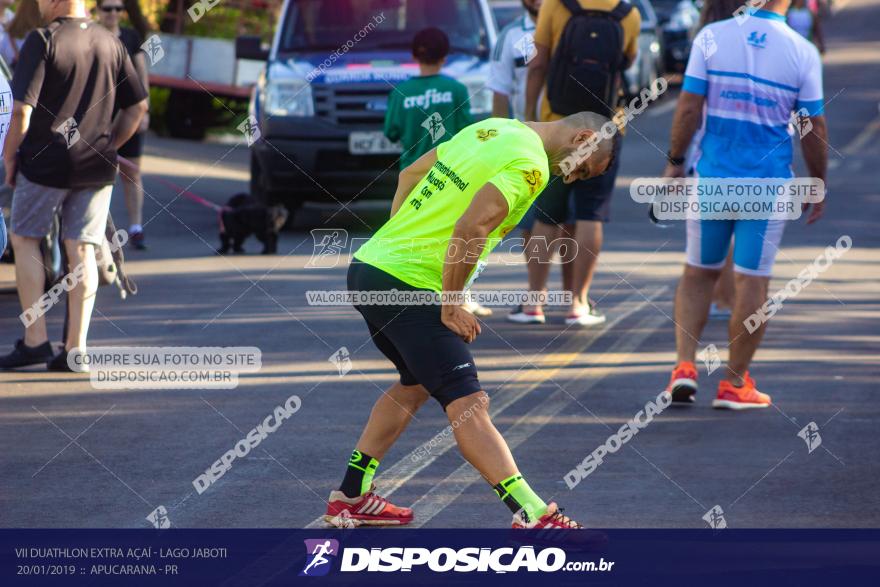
column 18, row 127
column 537, row 74
column 127, row 122
column 632, row 26
column 131, row 99
column 814, row 146
column 500, row 105
column 535, row 80
column 487, row 211
column 27, row 83
column 687, row 119
column 410, row 176
column 818, row 37
column 501, row 77
column 140, row 65
column 689, row 110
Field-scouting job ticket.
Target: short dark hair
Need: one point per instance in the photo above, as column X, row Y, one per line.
column 430, row 45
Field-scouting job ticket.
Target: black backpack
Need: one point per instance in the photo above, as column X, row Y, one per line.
column 587, row 65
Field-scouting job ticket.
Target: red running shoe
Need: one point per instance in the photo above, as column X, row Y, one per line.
column 553, row 518
column 368, row 509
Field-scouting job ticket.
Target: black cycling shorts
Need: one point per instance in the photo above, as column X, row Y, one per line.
column 424, row 351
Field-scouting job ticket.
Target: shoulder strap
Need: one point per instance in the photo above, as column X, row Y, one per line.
column 573, row 6
column 621, row 10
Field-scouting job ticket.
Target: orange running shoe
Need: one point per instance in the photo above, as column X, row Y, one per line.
column 740, row 398
column 683, row 383
column 368, row 509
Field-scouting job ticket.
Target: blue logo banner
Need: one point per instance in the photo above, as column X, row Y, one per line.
column 369, row 557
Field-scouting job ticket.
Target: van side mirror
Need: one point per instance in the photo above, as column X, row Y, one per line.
column 250, row 47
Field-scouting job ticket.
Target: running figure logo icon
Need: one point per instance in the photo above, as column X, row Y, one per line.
column 434, row 125
column 715, row 518
column 159, row 518
column 810, row 434
column 327, row 247
column 319, row 556
column 710, row 358
column 526, row 47
column 250, row 130
column 70, row 131
column 153, row 49
column 707, row 44
column 799, row 122
column 342, row 359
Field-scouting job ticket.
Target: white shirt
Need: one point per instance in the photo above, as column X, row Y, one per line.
column 753, row 74
column 509, row 68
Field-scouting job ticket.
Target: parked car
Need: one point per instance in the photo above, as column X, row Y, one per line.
column 320, row 102
column 679, row 20
column 649, row 64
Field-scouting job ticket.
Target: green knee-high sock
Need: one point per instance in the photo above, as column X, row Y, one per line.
column 359, row 474
column 519, row 497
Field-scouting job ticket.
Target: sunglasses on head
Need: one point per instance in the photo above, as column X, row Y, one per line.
column 112, row 8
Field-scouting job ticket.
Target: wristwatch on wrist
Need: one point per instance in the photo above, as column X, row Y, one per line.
column 676, row 161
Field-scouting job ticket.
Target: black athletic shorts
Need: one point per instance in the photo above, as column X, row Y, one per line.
column 133, row 147
column 422, row 348
column 591, row 197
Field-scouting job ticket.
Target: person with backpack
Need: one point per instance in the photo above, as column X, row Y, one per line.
column 582, row 49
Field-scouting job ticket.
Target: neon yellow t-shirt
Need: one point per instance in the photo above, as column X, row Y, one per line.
column 412, row 245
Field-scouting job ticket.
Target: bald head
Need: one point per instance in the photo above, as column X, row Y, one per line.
column 587, row 143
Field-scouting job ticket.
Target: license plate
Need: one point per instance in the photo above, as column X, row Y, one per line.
column 371, row 143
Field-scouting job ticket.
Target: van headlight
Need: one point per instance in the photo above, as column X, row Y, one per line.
column 288, row 97
column 480, row 96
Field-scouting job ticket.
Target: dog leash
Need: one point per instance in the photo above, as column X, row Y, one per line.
column 185, row 192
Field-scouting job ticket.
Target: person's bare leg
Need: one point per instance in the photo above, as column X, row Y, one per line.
column 30, row 279
column 751, row 293
column 81, row 298
column 723, row 294
column 390, row 416
column 588, row 235
column 692, row 300
column 567, row 255
column 478, row 440
column 133, row 188
column 539, row 255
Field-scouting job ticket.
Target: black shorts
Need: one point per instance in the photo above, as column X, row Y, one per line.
column 592, row 197
column 424, row 351
column 133, row 147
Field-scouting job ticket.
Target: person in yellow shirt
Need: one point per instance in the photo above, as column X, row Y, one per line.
column 603, row 32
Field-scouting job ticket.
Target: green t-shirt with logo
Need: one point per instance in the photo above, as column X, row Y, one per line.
column 412, row 245
column 425, row 111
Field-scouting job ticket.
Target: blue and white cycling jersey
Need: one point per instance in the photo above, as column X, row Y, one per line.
column 753, row 75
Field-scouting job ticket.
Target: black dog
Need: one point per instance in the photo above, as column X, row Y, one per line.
column 245, row 216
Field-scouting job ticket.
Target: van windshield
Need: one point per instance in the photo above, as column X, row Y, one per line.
column 376, row 25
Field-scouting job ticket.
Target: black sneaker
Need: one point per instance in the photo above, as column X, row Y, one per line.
column 137, row 241
column 60, row 362
column 23, row 355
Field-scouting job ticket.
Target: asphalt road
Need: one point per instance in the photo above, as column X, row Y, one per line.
column 75, row 456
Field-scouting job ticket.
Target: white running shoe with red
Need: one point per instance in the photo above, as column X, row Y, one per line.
column 368, row 509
